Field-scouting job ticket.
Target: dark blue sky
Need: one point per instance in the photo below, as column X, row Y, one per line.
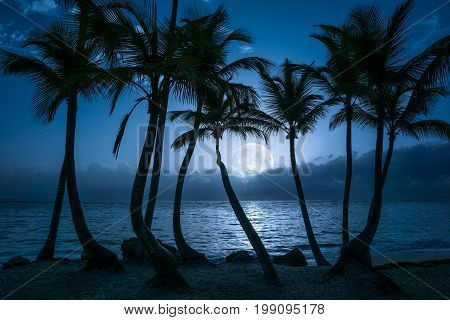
column 280, row 29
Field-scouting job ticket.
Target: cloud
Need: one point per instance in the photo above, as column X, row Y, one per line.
column 43, row 6
column 418, row 172
column 12, row 39
column 432, row 28
column 17, row 36
column 39, row 6
column 432, row 22
column 246, row 49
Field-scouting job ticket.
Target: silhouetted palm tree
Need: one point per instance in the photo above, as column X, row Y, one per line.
column 61, row 74
column 380, row 44
column 339, row 80
column 139, row 51
column 206, row 41
column 291, row 100
column 222, row 114
column 48, row 250
column 159, row 142
column 419, row 85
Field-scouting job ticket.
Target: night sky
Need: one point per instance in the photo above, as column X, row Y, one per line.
column 280, row 29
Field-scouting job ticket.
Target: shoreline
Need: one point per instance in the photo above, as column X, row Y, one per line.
column 379, row 259
column 410, row 256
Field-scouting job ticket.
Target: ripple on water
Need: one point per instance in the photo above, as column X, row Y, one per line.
column 212, row 228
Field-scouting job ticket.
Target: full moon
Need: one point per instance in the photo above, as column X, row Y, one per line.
column 252, row 158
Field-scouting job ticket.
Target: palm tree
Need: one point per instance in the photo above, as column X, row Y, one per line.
column 419, row 85
column 48, row 250
column 339, row 80
column 291, row 101
column 62, row 74
column 140, row 51
column 159, row 141
column 380, row 43
column 223, row 114
column 202, row 64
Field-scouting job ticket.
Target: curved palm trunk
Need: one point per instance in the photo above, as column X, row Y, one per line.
column 370, row 230
column 355, row 260
column 99, row 256
column 163, row 261
column 48, row 250
column 318, row 256
column 157, row 163
column 186, row 251
column 348, row 178
column 387, row 163
column 157, row 160
column 270, row 272
column 358, row 249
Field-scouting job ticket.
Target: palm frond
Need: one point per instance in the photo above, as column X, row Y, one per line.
column 430, row 68
column 395, row 32
column 247, row 63
column 427, row 128
column 309, row 120
column 186, row 116
column 246, row 131
column 122, row 127
column 185, row 138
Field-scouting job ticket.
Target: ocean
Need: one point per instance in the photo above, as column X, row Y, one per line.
column 211, row 227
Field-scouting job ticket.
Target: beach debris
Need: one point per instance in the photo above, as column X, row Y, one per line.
column 238, row 256
column 16, row 262
column 132, row 249
column 293, row 258
column 173, row 250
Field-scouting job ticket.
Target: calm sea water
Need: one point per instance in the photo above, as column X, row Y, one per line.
column 212, row 228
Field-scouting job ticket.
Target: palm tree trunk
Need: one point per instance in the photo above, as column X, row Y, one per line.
column 270, row 272
column 355, row 260
column 358, row 249
column 157, row 158
column 157, row 163
column 186, row 251
column 99, row 256
column 348, row 177
column 48, row 250
column 368, row 234
column 387, row 163
column 318, row 256
column 173, row 15
column 163, row 261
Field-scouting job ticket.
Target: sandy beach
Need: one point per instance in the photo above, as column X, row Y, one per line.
column 239, row 280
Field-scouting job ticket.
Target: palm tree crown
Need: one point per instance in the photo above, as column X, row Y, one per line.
column 201, row 61
column 57, row 72
column 291, row 100
column 235, row 112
